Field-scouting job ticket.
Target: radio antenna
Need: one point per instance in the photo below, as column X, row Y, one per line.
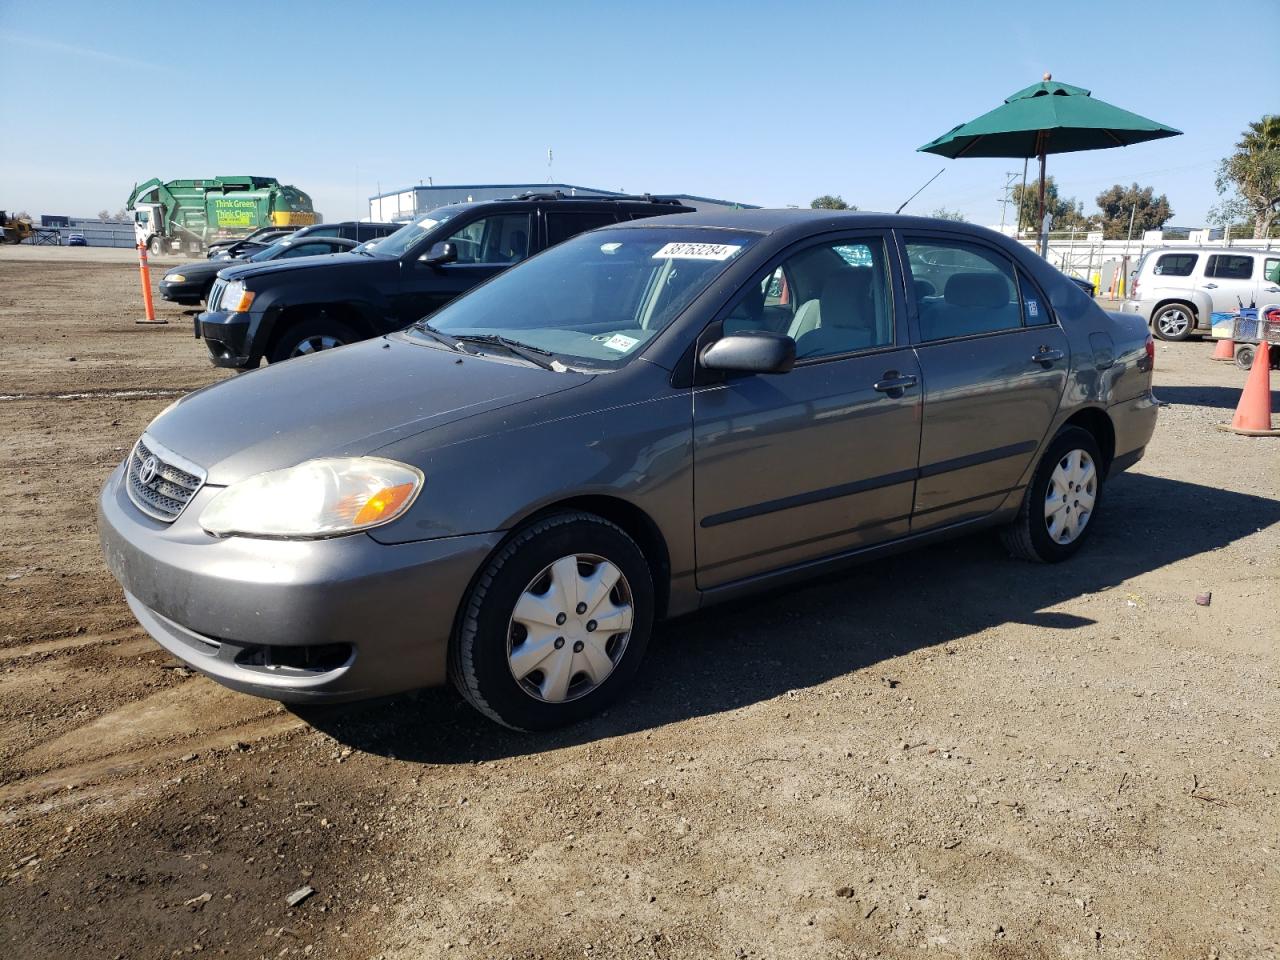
column 921, row 190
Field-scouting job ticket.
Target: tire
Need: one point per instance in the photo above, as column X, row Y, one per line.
column 311, row 335
column 484, row 655
column 1174, row 322
column 1032, row 535
column 155, row 246
column 1244, row 356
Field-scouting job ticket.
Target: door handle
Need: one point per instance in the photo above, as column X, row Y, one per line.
column 1211, row 286
column 1047, row 356
column 894, row 384
column 1273, row 290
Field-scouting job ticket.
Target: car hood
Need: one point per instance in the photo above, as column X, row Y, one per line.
column 199, row 268
column 332, row 261
column 344, row 402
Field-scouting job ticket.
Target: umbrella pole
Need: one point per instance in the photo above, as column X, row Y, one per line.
column 1040, row 230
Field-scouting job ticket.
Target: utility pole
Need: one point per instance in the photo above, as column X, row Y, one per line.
column 1008, row 189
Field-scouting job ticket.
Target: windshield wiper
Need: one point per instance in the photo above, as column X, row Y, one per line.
column 422, row 326
column 535, row 355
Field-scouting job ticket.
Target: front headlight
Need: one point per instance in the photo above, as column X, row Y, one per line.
column 174, row 278
column 319, row 498
column 235, row 298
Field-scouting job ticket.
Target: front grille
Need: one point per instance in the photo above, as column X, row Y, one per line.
column 215, row 295
column 171, row 480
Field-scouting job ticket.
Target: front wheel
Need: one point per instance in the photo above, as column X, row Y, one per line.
column 1061, row 501
column 155, row 246
column 556, row 625
column 311, row 335
column 1174, row 322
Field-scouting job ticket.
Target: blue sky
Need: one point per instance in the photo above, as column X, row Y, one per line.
column 758, row 102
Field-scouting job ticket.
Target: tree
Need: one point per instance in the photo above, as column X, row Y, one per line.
column 1250, row 177
column 1067, row 212
column 942, row 213
column 1118, row 203
column 829, row 202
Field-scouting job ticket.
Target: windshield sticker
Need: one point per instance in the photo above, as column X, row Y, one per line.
column 426, row 223
column 621, row 342
column 1033, row 308
column 609, row 247
column 697, row 251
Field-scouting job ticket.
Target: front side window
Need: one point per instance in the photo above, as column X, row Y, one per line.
column 1175, row 265
column 502, row 238
column 962, row 289
column 1271, row 272
column 562, row 225
column 597, row 299
column 1227, row 266
column 832, row 299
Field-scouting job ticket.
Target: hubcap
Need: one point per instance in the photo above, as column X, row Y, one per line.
column 312, row 344
column 569, row 628
column 1068, row 503
column 1173, row 323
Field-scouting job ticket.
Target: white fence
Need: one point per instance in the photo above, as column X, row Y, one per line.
column 1099, row 260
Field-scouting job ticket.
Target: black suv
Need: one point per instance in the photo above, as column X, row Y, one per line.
column 289, row 308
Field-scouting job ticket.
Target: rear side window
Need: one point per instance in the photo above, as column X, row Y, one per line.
column 1175, row 265
column 563, row 225
column 963, row 289
column 1228, row 266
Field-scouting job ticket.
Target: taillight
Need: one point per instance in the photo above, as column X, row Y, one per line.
column 1133, row 294
column 1151, row 352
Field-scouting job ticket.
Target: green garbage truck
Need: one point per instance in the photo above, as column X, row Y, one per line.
column 186, row 215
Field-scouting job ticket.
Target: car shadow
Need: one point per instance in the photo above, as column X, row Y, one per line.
column 1221, row 398
column 728, row 657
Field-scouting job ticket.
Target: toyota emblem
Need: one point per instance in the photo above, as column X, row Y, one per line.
column 147, row 472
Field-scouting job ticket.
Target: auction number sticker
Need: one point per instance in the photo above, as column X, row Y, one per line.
column 697, row 251
column 1033, row 308
column 621, row 342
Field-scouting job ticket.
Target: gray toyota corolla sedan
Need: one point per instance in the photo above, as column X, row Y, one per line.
column 640, row 422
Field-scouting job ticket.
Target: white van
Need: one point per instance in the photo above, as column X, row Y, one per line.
column 1177, row 289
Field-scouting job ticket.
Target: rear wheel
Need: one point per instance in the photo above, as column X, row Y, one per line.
column 311, row 335
column 1060, row 503
column 1244, row 356
column 556, row 625
column 1174, row 322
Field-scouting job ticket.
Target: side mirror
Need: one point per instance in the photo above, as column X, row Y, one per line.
column 755, row 351
column 442, row 252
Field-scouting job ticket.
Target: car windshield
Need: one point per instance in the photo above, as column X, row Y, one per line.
column 597, row 299
column 396, row 244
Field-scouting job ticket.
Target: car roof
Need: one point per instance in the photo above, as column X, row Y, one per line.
column 1212, row 250
column 801, row 222
column 580, row 202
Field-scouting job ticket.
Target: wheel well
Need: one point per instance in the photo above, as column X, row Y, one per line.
column 1098, row 423
column 1164, row 303
column 637, row 525
column 292, row 316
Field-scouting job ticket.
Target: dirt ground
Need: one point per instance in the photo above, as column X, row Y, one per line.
column 946, row 752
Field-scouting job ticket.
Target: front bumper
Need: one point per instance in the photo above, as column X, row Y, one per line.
column 227, row 337
column 298, row 621
column 189, row 292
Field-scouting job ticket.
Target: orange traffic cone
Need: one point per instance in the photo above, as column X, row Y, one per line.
column 1225, row 350
column 1253, row 413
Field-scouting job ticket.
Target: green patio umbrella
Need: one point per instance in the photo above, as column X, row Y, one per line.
column 1047, row 118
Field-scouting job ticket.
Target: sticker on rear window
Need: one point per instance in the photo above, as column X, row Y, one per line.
column 621, row 342
column 1033, row 308
column 697, row 251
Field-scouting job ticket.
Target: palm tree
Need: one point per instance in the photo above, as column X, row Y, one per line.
column 1254, row 170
